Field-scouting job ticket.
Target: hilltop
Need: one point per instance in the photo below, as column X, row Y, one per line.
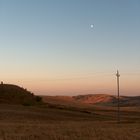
column 13, row 94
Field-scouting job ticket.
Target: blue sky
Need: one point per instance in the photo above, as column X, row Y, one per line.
column 51, row 40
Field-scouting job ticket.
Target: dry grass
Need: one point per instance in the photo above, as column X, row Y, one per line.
column 32, row 123
column 70, row 131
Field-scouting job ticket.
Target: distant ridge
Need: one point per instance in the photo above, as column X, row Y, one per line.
column 108, row 100
column 94, row 99
column 13, row 94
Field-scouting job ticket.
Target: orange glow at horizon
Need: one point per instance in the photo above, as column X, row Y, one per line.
column 129, row 85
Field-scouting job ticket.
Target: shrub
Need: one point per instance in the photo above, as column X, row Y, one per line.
column 38, row 98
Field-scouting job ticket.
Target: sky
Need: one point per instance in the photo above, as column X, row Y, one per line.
column 49, row 47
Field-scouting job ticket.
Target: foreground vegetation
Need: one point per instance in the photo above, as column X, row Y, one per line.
column 45, row 123
column 70, row 130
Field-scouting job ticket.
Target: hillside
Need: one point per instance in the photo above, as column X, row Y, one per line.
column 93, row 99
column 13, row 94
column 108, row 100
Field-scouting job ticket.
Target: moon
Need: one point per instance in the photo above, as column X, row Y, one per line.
column 92, row 25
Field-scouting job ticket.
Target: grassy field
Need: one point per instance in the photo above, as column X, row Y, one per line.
column 52, row 123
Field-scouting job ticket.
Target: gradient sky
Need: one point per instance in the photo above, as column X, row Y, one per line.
column 49, row 47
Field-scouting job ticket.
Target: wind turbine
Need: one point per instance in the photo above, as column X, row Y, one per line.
column 118, row 92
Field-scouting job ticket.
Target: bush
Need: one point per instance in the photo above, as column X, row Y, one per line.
column 38, row 98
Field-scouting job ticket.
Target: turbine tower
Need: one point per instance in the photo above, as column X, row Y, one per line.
column 118, row 92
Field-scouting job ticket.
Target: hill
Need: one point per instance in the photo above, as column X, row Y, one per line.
column 13, row 94
column 108, row 100
column 93, row 99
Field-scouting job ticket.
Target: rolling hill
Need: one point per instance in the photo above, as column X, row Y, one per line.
column 93, row 99
column 13, row 94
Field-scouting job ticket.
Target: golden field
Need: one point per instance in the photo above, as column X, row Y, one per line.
column 56, row 122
